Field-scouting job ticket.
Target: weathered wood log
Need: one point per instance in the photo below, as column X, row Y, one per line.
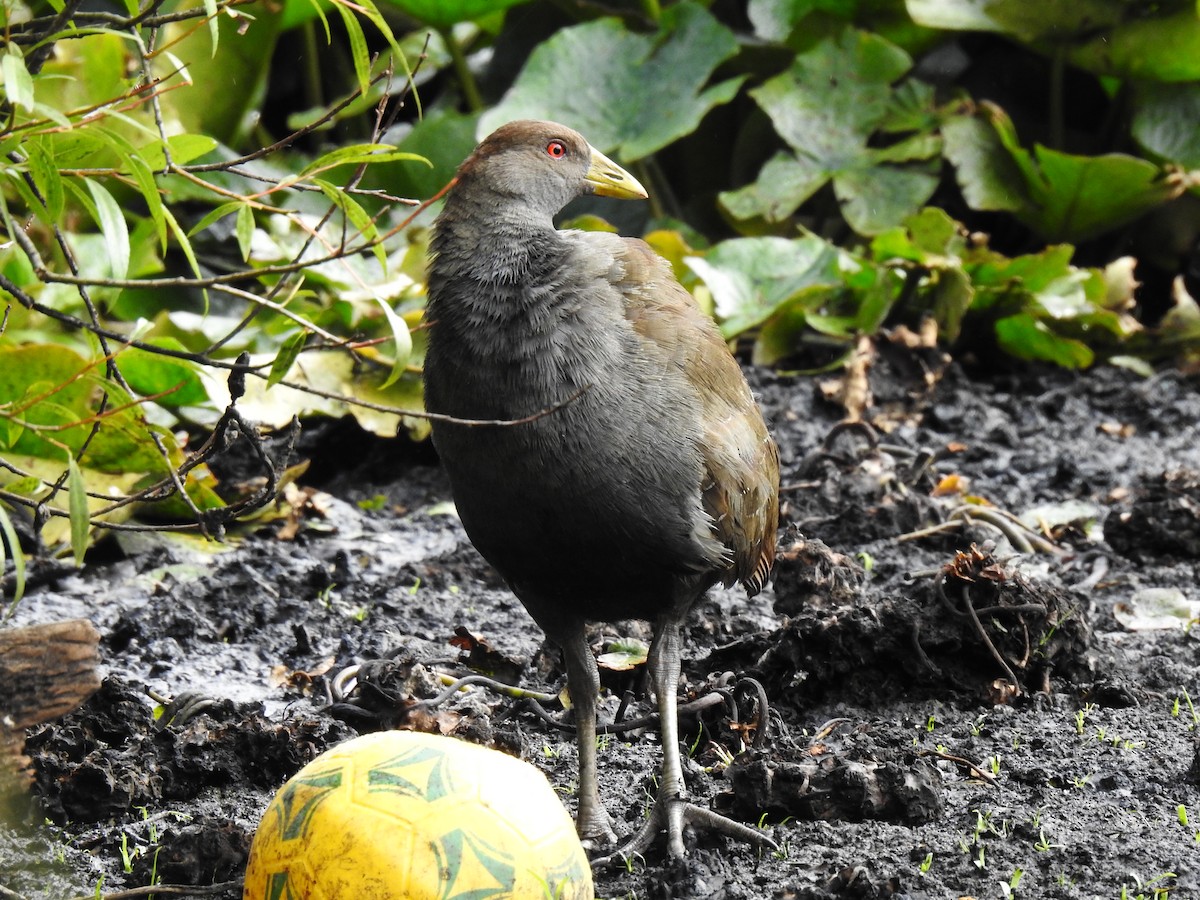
column 45, row 672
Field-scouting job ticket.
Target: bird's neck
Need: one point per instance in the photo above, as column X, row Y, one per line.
column 491, row 261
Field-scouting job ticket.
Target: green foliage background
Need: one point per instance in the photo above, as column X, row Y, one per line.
column 215, row 212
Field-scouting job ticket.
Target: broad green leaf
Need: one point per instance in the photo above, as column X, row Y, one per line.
column 830, row 107
column 1162, row 45
column 876, row 197
column 834, row 96
column 18, row 83
column 59, row 396
column 298, row 12
column 78, row 509
column 151, row 374
column 750, row 278
column 1166, row 121
column 1080, row 197
column 444, row 13
column 630, row 93
column 112, row 225
column 784, row 183
column 1025, row 337
column 1027, row 20
column 624, row 654
column 986, row 172
column 1066, row 197
column 184, row 148
column 240, row 62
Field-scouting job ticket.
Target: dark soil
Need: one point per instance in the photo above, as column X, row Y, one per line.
column 948, row 716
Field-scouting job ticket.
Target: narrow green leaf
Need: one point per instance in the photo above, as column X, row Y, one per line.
column 210, row 9
column 245, row 230
column 287, row 355
column 357, row 216
column 112, row 225
column 360, row 153
column 40, row 156
column 216, row 215
column 402, row 338
column 359, row 54
column 13, row 543
column 184, row 244
column 149, row 191
column 77, row 507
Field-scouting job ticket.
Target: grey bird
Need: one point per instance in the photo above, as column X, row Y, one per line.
column 641, row 473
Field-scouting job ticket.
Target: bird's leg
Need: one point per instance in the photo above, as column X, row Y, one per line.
column 672, row 811
column 583, row 680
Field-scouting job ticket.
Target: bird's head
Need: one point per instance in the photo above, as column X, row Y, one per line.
column 544, row 166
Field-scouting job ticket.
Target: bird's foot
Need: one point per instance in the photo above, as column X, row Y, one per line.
column 671, row 816
column 595, row 828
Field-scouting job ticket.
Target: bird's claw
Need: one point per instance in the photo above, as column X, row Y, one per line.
column 672, row 816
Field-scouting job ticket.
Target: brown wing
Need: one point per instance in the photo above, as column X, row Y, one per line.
column 741, row 487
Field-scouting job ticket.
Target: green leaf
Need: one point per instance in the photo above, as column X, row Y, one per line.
column 244, row 229
column 830, row 107
column 78, row 510
column 149, row 191
column 215, row 215
column 1066, row 197
column 1027, row 20
column 1161, row 45
column 214, row 30
column 360, row 56
column 151, row 374
column 1166, row 121
column 44, row 170
column 401, row 339
column 1025, row 337
column 9, row 539
column 876, row 197
column 288, row 354
column 631, row 94
column 184, row 148
column 362, row 153
column 750, row 278
column 445, row 13
column 784, row 183
column 112, row 225
column 444, row 139
column 18, row 83
column 986, row 172
column 184, row 244
column 624, row 654
column 356, row 215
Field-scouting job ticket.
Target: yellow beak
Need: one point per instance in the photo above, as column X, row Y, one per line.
column 610, row 180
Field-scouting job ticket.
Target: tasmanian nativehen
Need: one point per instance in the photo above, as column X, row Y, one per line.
column 641, row 472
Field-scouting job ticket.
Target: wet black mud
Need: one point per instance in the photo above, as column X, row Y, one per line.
column 960, row 703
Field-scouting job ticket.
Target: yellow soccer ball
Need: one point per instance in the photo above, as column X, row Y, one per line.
column 401, row 815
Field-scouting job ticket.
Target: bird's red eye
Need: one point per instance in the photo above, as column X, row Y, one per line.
column 556, row 149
